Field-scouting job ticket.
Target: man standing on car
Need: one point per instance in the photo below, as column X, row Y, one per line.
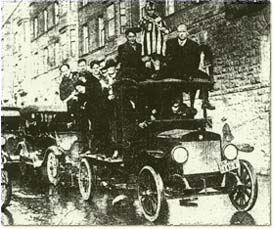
column 96, row 106
column 68, row 94
column 183, row 59
column 83, row 73
column 129, row 56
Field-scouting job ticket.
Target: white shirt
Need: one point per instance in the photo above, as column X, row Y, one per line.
column 182, row 43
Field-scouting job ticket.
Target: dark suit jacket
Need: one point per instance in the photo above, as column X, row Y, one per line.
column 128, row 57
column 182, row 61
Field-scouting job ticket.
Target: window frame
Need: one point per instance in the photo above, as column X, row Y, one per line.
column 35, row 27
column 101, row 31
column 122, row 26
column 168, row 5
column 112, row 19
column 56, row 13
column 45, row 16
column 85, row 39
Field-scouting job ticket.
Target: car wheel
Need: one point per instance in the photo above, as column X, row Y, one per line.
column 6, row 189
column 52, row 168
column 150, row 193
column 86, row 179
column 244, row 196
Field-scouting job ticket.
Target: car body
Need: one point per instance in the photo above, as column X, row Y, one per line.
column 10, row 136
column 170, row 157
column 10, row 132
column 50, row 143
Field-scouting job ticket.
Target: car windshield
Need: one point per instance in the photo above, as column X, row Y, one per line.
column 161, row 99
column 44, row 120
column 10, row 119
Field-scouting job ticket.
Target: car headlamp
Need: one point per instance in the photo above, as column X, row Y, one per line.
column 179, row 154
column 3, row 141
column 230, row 152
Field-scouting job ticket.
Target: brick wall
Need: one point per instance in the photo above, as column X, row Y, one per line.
column 241, row 48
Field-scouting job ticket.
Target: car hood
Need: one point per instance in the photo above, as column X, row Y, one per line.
column 176, row 134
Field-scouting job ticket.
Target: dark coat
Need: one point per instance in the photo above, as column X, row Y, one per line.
column 130, row 57
column 95, row 97
column 66, row 88
column 182, row 61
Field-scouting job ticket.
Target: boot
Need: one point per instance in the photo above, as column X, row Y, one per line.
column 207, row 105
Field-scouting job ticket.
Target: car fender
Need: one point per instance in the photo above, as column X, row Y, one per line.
column 21, row 145
column 55, row 149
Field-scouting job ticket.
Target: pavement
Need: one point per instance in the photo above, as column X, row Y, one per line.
column 35, row 205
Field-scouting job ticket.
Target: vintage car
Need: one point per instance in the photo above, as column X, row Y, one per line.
column 10, row 132
column 6, row 187
column 50, row 143
column 10, row 136
column 167, row 153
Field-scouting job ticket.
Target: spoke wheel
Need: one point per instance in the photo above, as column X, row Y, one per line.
column 6, row 189
column 150, row 193
column 244, row 196
column 86, row 179
column 52, row 168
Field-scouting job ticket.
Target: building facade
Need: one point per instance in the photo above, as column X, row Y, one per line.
column 54, row 28
column 38, row 38
column 15, row 51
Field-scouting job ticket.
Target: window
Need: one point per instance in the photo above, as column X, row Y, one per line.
column 111, row 20
column 35, row 27
column 85, row 37
column 23, row 31
column 123, row 20
column 64, row 51
column 36, row 63
column 73, row 42
column 45, row 20
column 45, row 59
column 16, row 43
column 142, row 4
column 169, row 7
column 40, row 23
column 50, row 15
column 56, row 13
column 56, row 53
column 51, row 55
column 101, row 32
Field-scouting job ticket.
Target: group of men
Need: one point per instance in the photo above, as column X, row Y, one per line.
column 89, row 93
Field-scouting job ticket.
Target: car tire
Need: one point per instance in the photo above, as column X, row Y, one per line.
column 52, row 168
column 150, row 193
column 243, row 197
column 86, row 179
column 6, row 189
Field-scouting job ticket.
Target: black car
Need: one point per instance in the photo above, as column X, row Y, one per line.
column 166, row 152
column 50, row 143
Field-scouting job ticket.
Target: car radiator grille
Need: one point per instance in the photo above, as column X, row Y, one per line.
column 203, row 157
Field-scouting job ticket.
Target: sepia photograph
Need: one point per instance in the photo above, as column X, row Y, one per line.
column 135, row 112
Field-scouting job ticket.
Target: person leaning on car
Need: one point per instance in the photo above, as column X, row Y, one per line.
column 183, row 59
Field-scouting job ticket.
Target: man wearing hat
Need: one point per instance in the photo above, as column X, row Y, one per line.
column 129, row 56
